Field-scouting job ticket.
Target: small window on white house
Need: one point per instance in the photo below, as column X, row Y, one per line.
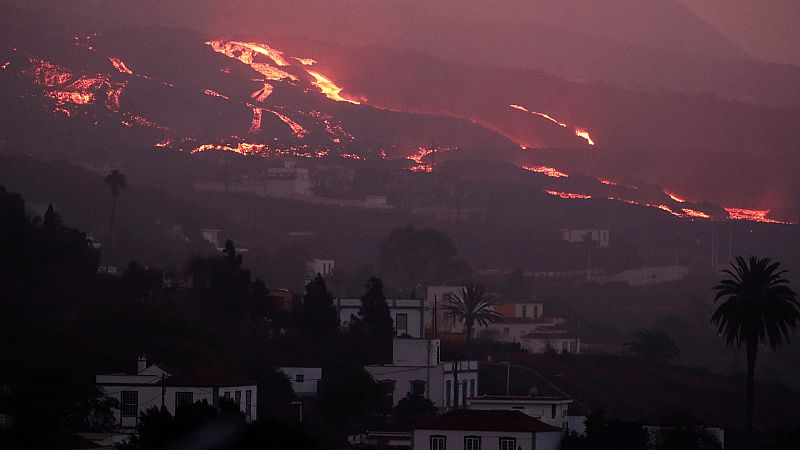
column 508, row 444
column 227, row 395
column 299, row 378
column 472, row 443
column 237, row 397
column 438, row 443
column 183, row 399
column 130, row 403
column 418, row 388
column 248, row 403
column 472, row 387
column 448, row 393
column 401, row 324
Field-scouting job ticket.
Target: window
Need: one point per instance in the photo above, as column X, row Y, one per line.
column 237, row 397
column 248, row 403
column 524, row 310
column 508, row 444
column 438, row 443
column 418, row 388
column 299, row 378
column 535, row 311
column 472, row 388
column 130, row 403
column 183, row 399
column 447, row 394
column 472, row 443
column 401, row 324
column 388, row 393
column 464, row 393
column 227, row 395
column 553, row 411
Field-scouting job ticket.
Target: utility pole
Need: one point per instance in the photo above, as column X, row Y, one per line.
column 508, row 378
column 163, row 391
column 455, row 384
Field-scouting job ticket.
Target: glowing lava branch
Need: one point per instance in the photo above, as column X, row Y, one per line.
column 609, row 182
column 164, row 144
column 255, row 124
column 5, row 65
column 579, row 132
column 755, row 215
column 693, row 213
column 263, row 93
column 297, row 129
column 329, row 88
column 305, row 61
column 549, row 171
column 567, row 195
column 215, row 94
column 583, row 134
column 246, row 52
column 675, row 197
column 113, row 95
column 120, row 66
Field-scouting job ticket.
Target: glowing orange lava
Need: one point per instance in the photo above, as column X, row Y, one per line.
column 255, row 124
column 164, row 144
column 120, row 66
column 755, row 215
column 696, row 214
column 246, row 52
column 305, row 61
column 262, row 94
column 570, row 195
column 215, row 94
column 329, row 88
column 579, row 132
column 609, row 182
column 675, row 197
column 297, row 129
column 549, row 171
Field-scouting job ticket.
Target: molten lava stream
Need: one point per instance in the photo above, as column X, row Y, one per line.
column 755, row 215
column 329, row 88
column 549, row 171
column 569, row 195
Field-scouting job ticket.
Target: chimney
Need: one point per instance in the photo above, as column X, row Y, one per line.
column 141, row 363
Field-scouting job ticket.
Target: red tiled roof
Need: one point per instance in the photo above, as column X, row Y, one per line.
column 487, row 420
column 514, row 398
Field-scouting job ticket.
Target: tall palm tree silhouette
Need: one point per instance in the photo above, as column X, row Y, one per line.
column 116, row 183
column 758, row 307
column 471, row 305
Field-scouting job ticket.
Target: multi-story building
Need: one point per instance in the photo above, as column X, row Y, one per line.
column 407, row 314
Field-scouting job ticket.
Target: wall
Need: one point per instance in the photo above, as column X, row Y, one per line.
column 412, row 308
column 490, row 440
column 556, row 343
column 310, row 377
column 542, row 409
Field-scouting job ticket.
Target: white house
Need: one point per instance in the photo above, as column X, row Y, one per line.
column 435, row 317
column 416, row 368
column 156, row 386
column 650, row 275
column 558, row 341
column 304, row 379
column 319, row 266
column 601, row 237
column 512, row 329
column 407, row 314
column 550, row 410
column 485, row 430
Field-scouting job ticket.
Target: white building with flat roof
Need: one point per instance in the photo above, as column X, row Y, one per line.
column 550, row 410
column 407, row 314
column 304, row 380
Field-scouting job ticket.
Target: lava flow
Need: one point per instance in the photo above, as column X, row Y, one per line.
column 579, row 132
column 549, row 171
column 120, row 66
column 570, row 195
column 329, row 88
column 755, row 215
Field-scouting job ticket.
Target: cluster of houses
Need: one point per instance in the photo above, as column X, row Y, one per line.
column 416, row 368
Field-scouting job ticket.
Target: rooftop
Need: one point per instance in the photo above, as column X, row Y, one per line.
column 486, row 420
column 519, row 398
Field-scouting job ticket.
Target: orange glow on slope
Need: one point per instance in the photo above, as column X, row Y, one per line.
column 675, row 197
column 305, row 61
column 5, row 65
column 297, row 129
column 549, row 171
column 164, row 144
column 333, row 127
column 696, row 214
column 329, row 88
column 246, row 53
column 583, row 134
column 262, row 94
column 120, row 66
column 609, row 182
column 113, row 95
column 755, row 215
column 215, row 94
column 579, row 132
column 567, row 195
column 255, row 124
column 419, row 158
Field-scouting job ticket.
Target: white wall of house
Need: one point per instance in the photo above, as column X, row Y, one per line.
column 407, row 314
column 552, row 411
column 320, row 266
column 556, row 343
column 415, row 352
column 489, row 440
column 575, row 236
column 506, row 331
column 399, row 381
column 304, row 379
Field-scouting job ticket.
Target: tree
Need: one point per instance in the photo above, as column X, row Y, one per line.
column 411, row 258
column 373, row 328
column 411, row 408
column 116, row 183
column 758, row 307
column 471, row 305
column 348, row 397
column 317, row 315
column 654, row 345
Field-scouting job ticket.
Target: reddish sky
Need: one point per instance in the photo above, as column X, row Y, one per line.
column 767, row 29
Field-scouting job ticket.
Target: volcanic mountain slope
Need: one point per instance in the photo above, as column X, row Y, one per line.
column 648, row 45
column 703, row 147
column 174, row 88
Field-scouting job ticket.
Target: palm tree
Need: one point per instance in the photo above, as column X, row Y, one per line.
column 758, row 307
column 470, row 305
column 116, row 183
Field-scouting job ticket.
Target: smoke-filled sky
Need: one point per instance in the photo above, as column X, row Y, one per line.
column 765, row 29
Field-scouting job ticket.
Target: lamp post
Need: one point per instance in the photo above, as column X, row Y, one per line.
column 508, row 377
